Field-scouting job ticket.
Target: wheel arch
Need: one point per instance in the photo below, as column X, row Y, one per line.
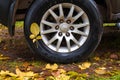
column 105, row 7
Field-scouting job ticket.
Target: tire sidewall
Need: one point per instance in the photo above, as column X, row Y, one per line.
column 36, row 13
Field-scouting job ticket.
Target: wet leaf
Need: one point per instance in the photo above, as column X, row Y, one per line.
column 35, row 29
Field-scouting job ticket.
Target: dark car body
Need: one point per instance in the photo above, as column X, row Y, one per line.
column 12, row 10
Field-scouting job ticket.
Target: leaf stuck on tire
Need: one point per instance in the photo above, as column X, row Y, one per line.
column 35, row 30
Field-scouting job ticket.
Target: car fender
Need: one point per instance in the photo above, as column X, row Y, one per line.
column 7, row 16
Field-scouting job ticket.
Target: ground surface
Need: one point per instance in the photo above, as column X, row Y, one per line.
column 105, row 63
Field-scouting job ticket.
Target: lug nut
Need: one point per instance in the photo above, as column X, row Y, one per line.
column 57, row 27
column 60, row 33
column 61, row 21
column 67, row 34
column 68, row 21
column 71, row 28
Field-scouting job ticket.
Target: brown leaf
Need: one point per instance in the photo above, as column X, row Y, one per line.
column 40, row 79
column 114, row 56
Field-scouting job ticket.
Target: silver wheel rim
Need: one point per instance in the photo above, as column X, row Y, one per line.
column 64, row 27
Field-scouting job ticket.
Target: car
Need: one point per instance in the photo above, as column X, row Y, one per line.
column 60, row 31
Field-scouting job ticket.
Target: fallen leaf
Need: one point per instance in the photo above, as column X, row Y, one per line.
column 96, row 58
column 4, row 57
column 62, row 77
column 51, row 67
column 114, row 56
column 48, row 66
column 72, row 74
column 41, row 79
column 6, row 73
column 58, row 72
column 24, row 74
column 61, row 71
column 85, row 65
column 101, row 70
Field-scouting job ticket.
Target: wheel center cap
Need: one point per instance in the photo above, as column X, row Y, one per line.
column 64, row 27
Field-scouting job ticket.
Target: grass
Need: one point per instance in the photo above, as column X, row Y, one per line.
column 19, row 23
column 115, row 77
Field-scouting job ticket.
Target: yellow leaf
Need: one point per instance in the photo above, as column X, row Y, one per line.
column 32, row 36
column 48, row 66
column 6, row 73
column 35, row 29
column 62, row 77
column 3, row 57
column 101, row 70
column 34, row 40
column 61, row 70
column 24, row 74
column 85, row 65
column 52, row 67
column 38, row 37
column 96, row 58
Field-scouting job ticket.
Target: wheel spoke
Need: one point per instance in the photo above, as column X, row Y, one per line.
column 61, row 10
column 80, row 25
column 59, row 43
column 70, row 14
column 75, row 41
column 49, row 23
column 48, row 31
column 68, row 44
column 78, row 16
column 80, row 32
column 53, row 14
column 52, row 40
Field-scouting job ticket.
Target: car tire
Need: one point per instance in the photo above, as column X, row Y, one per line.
column 72, row 43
